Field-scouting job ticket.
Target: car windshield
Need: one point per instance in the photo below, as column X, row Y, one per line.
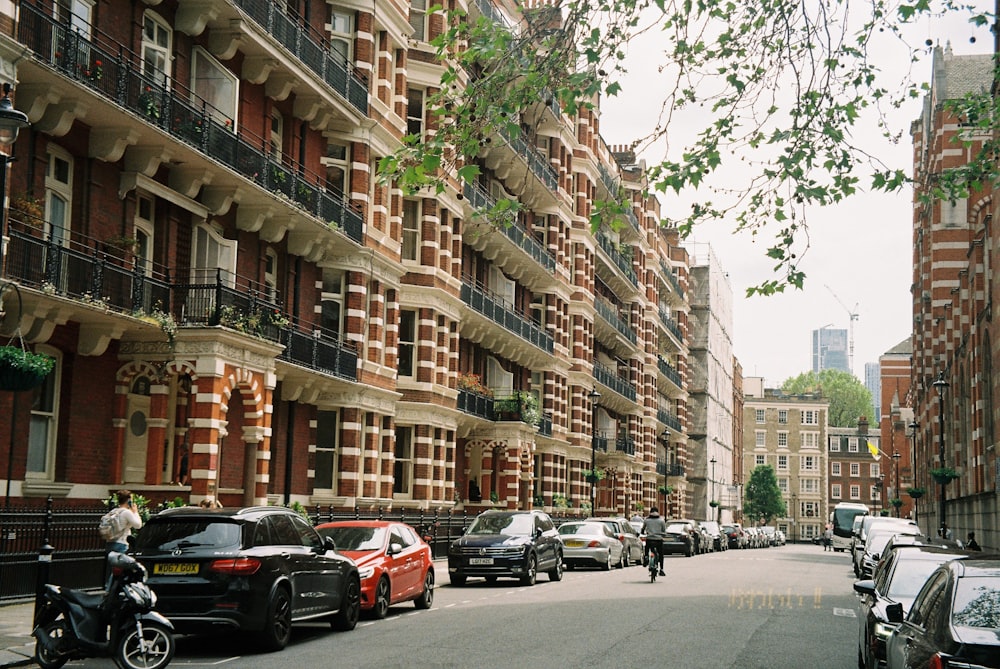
column 196, row 532
column 910, row 575
column 977, row 602
column 677, row 527
column 349, row 538
column 581, row 528
column 513, row 525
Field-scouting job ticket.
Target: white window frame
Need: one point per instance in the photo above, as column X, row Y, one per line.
column 403, row 462
column 418, row 19
column 835, row 491
column 783, row 416
column 760, row 459
column 206, row 242
column 61, row 192
column 45, row 418
column 334, row 161
column 144, row 225
column 809, row 485
column 327, row 445
column 782, row 462
column 783, row 485
column 810, row 417
column 807, row 463
column 760, row 438
column 855, row 492
column 415, row 123
column 271, row 274
column 409, row 326
column 219, row 108
column 410, row 236
column 341, row 28
column 782, row 439
column 874, row 470
column 855, row 469
column 834, row 469
column 810, row 439
column 333, row 278
column 852, row 445
column 759, row 416
column 158, row 69
column 276, row 139
column 835, row 445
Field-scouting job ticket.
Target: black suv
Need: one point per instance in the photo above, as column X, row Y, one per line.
column 254, row 570
column 515, row 544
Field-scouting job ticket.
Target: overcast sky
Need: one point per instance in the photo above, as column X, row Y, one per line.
column 861, row 256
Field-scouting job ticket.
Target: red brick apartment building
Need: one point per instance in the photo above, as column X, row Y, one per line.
column 199, row 239
column 955, row 346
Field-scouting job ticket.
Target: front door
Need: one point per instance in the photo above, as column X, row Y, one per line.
column 136, row 432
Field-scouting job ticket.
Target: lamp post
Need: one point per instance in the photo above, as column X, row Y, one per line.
column 941, row 385
column 913, row 463
column 895, row 463
column 878, row 492
column 712, row 488
column 593, row 395
column 11, row 121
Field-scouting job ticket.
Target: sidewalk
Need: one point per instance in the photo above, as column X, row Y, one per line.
column 17, row 646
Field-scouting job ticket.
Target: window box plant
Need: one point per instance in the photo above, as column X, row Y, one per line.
column 943, row 475
column 21, row 369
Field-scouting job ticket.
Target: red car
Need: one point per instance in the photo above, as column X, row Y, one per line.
column 394, row 562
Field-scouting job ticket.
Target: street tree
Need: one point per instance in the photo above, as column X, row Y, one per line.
column 780, row 89
column 849, row 399
column 762, row 497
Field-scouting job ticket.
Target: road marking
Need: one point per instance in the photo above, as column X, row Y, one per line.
column 845, row 613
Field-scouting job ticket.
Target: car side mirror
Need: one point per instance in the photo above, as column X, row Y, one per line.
column 538, row 533
column 866, row 587
column 329, row 544
column 894, row 613
column 395, row 548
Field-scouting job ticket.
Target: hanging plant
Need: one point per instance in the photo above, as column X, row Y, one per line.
column 21, row 369
column 915, row 493
column 896, row 502
column 664, row 490
column 943, row 475
column 593, row 475
column 713, row 504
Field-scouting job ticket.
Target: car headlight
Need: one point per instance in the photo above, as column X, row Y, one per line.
column 366, row 572
column 883, row 630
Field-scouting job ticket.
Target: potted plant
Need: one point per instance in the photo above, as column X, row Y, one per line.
column 21, row 369
column 915, row 493
column 943, row 475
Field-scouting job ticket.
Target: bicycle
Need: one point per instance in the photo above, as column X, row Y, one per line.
column 654, row 561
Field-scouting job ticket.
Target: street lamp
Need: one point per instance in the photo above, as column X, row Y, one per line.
column 941, row 385
column 593, row 395
column 712, row 489
column 878, row 491
column 913, row 462
column 11, row 121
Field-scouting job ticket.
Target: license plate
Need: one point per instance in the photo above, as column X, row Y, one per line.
column 574, row 544
column 481, row 561
column 176, row 568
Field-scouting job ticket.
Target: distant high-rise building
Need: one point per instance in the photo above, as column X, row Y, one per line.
column 829, row 350
column 873, row 382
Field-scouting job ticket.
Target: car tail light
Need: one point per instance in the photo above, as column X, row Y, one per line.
column 937, row 662
column 621, row 537
column 594, row 544
column 242, row 566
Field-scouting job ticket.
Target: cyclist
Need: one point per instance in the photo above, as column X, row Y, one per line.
column 655, row 529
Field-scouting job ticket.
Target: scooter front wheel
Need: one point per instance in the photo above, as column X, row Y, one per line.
column 153, row 650
column 55, row 632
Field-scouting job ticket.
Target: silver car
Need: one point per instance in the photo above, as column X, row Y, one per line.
column 590, row 544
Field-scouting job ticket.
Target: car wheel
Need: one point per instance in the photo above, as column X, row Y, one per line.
column 625, row 559
column 426, row 598
column 607, row 564
column 382, row 595
column 530, row 570
column 557, row 571
column 621, row 560
column 347, row 618
column 278, row 628
column 456, row 579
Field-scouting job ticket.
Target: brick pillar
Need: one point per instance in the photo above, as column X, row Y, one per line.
column 157, row 436
column 348, row 481
column 206, row 418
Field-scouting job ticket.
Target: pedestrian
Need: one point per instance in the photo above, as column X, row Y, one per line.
column 127, row 518
column 828, row 539
column 637, row 517
column 972, row 544
column 210, row 503
column 182, row 466
column 944, row 532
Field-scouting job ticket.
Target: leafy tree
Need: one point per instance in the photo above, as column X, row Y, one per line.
column 762, row 498
column 781, row 87
column 849, row 399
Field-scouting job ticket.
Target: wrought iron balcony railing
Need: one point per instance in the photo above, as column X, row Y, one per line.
column 608, row 312
column 497, row 310
column 118, row 76
column 536, row 162
column 671, row 279
column 621, row 386
column 669, row 419
column 668, row 371
column 476, row 404
column 625, row 445
column 623, row 264
column 480, row 199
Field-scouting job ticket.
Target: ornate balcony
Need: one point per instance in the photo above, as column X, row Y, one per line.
column 668, row 419
column 485, row 302
column 668, row 371
column 621, row 386
column 623, row 264
column 608, row 312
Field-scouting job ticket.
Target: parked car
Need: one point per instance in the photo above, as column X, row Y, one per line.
column 770, row 534
column 780, row 537
column 515, row 544
column 394, row 563
column 626, row 533
column 876, row 543
column 953, row 621
column 591, row 544
column 679, row 539
column 897, row 580
column 861, row 536
column 256, row 570
column 737, row 538
column 719, row 541
column 699, row 540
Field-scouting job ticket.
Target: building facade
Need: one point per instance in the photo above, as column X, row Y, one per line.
column 201, row 240
column 829, row 350
column 896, row 429
column 789, row 433
column 954, row 383
column 856, row 474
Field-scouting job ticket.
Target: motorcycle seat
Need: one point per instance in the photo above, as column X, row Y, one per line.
column 84, row 599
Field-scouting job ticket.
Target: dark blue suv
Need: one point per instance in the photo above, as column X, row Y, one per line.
column 512, row 544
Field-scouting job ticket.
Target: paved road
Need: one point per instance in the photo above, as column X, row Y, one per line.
column 788, row 607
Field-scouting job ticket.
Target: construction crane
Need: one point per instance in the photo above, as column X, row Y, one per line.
column 853, row 313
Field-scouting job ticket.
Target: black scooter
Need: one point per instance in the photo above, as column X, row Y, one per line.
column 121, row 623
